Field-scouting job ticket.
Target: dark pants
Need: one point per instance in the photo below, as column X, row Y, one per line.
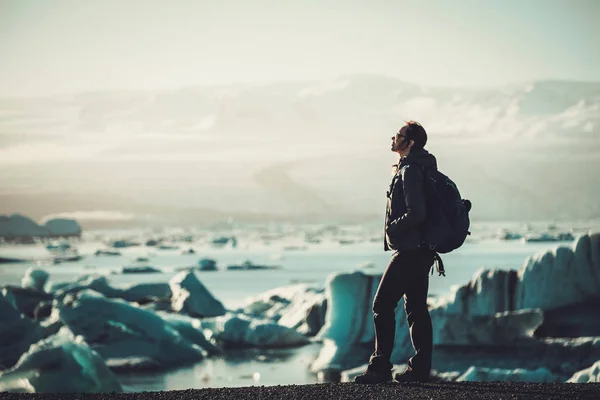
column 406, row 275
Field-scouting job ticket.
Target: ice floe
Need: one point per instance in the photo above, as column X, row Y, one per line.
column 191, row 297
column 117, row 329
column 18, row 226
column 504, row 375
column 35, row 279
column 301, row 307
column 60, row 363
column 17, row 332
column 238, row 330
column 26, row 300
column 591, row 374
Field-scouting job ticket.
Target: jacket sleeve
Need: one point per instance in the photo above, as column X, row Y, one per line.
column 414, row 198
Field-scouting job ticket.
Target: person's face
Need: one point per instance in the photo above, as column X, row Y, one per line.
column 401, row 144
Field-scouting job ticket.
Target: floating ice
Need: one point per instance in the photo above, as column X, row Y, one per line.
column 494, row 309
column 558, row 277
column 561, row 276
column 97, row 283
column 117, row 329
column 17, row 332
column 506, row 375
column 61, row 363
column 19, row 226
column 143, row 291
column 35, row 279
column 191, row 297
column 139, row 269
column 349, row 321
column 63, row 227
column 238, row 330
column 301, row 307
column 591, row 374
column 191, row 329
column 26, row 300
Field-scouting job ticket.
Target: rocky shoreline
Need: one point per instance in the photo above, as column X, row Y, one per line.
column 416, row 391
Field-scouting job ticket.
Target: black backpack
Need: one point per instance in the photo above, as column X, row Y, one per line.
column 447, row 223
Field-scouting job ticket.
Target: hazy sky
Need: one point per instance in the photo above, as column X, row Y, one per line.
column 67, row 46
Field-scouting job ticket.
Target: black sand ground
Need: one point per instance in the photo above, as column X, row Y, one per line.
column 330, row 391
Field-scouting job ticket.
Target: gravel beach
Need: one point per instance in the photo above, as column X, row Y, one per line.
column 430, row 391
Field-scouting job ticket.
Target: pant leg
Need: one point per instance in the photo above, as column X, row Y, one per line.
column 391, row 288
column 417, row 314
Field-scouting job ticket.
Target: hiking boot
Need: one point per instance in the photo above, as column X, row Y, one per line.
column 372, row 377
column 410, row 376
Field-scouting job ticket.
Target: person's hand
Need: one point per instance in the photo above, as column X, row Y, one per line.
column 391, row 227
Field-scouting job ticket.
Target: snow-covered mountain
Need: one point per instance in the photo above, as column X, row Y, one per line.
column 523, row 151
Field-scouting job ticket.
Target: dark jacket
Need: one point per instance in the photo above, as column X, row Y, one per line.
column 406, row 211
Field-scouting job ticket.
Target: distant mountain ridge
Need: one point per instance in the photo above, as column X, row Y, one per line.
column 526, row 150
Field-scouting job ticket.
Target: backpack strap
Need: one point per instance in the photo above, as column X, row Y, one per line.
column 439, row 265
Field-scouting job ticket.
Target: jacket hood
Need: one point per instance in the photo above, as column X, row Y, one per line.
column 421, row 157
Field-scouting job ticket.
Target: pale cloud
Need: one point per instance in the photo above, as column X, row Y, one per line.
column 322, row 88
column 45, row 152
column 96, row 215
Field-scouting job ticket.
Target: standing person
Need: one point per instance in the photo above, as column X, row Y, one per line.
column 407, row 273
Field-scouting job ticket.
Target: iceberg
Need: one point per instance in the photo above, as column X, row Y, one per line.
column 561, row 276
column 17, row 332
column 17, row 226
column 35, row 279
column 139, row 269
column 62, row 363
column 120, row 244
column 496, row 308
column 481, row 374
column 62, row 227
column 207, row 264
column 117, row 330
column 551, row 279
column 97, row 283
column 191, row 297
column 191, row 329
column 238, row 330
column 502, row 329
column 26, row 300
column 301, row 307
column 348, row 333
column 591, row 374
column 107, row 252
column 142, row 292
column 139, row 293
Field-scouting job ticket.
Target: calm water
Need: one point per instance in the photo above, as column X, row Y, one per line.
column 233, row 287
column 242, row 368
